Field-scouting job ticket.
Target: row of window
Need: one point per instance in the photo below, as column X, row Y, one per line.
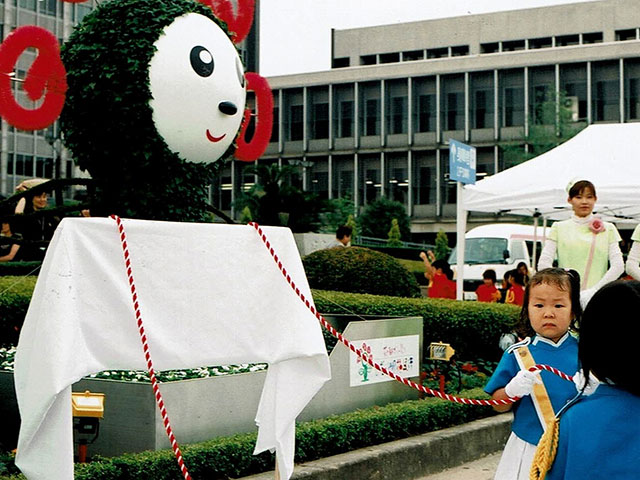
column 54, row 8
column 488, row 92
column 30, row 166
column 376, row 176
column 489, row 47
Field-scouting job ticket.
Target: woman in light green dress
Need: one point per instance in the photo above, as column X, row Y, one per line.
column 584, row 243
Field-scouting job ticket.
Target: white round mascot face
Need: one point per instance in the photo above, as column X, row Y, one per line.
column 197, row 87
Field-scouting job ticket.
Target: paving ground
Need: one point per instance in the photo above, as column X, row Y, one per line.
column 481, row 469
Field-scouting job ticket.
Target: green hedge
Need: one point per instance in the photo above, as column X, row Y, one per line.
column 232, row 456
column 473, row 329
column 360, row 270
column 15, row 295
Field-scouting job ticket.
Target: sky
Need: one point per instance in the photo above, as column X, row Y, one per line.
column 295, row 35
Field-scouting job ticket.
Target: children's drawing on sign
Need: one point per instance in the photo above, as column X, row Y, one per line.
column 398, row 354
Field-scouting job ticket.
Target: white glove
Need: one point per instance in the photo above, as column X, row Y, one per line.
column 579, row 381
column 522, row 384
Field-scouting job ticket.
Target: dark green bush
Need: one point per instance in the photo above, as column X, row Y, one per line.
column 15, row 295
column 375, row 220
column 360, row 270
column 472, row 328
column 222, row 458
column 19, row 268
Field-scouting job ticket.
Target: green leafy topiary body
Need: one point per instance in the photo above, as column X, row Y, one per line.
column 107, row 121
column 359, row 270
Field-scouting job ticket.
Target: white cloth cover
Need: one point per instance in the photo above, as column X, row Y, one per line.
column 209, row 295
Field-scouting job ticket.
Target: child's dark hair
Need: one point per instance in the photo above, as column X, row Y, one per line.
column 567, row 280
column 580, row 186
column 343, row 231
column 507, row 275
column 607, row 346
column 517, row 277
column 489, row 274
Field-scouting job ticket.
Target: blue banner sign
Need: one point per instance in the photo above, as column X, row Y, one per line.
column 462, row 162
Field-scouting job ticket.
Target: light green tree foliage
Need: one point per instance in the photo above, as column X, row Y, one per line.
column 245, row 215
column 442, row 248
column 550, row 124
column 393, row 238
column 351, row 222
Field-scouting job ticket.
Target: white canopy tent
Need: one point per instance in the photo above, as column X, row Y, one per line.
column 607, row 155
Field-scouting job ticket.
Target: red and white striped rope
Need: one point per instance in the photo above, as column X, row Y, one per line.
column 363, row 356
column 147, row 353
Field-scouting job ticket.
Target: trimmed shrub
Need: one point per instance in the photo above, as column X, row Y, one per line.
column 226, row 457
column 360, row 270
column 15, row 295
column 472, row 328
column 375, row 219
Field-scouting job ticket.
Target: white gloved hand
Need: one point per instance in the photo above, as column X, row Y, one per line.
column 522, row 384
column 579, row 380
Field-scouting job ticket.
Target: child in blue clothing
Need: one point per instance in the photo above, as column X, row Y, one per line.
column 551, row 307
column 599, row 434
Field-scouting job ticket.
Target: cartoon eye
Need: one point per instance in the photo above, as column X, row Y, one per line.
column 201, row 61
column 240, row 72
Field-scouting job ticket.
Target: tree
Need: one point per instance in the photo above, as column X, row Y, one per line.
column 272, row 200
column 442, row 248
column 394, row 234
column 377, row 216
column 550, row 124
column 337, row 212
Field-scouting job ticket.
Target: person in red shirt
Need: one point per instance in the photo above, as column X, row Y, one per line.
column 487, row 292
column 515, row 294
column 440, row 276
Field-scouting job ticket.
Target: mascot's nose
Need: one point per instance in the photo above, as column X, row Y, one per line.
column 228, row 108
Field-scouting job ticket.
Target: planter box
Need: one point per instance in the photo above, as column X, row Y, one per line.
column 201, row 409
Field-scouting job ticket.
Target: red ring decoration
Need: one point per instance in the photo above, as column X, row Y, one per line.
column 46, row 78
column 239, row 25
column 250, row 151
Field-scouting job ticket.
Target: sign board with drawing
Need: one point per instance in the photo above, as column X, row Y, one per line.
column 462, row 162
column 398, row 354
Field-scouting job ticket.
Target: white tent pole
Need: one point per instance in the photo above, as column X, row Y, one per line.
column 461, row 226
column 535, row 241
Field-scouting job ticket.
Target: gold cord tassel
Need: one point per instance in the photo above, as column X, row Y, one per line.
column 546, row 452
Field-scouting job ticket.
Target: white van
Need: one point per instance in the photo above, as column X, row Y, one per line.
column 499, row 246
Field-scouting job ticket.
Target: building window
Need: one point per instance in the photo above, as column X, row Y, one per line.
column 573, row 82
column 368, row 60
column 370, row 109
column 342, row 172
column 296, row 124
column 320, row 120
column 340, row 62
column 369, row 184
column 27, row 4
column 80, row 10
column 492, row 47
column 396, row 108
column 624, row 35
column 513, row 106
column 593, row 37
column 482, row 109
column 453, row 102
column 397, row 178
column 605, row 91
column 460, row 51
column 424, row 178
column 633, row 102
column 318, row 176
column 412, row 55
column 512, row 45
column 275, row 130
column 390, row 57
column 44, row 167
column 426, row 113
column 567, row 40
column 437, row 52
column 343, row 108
column 48, row 7
column 544, row 42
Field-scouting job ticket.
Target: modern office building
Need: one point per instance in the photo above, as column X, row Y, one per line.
column 378, row 122
column 25, row 154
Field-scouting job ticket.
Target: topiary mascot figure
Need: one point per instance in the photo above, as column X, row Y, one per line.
column 155, row 101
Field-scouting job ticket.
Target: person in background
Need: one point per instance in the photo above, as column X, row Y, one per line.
column 598, row 436
column 632, row 266
column 551, row 307
column 487, row 292
column 440, row 275
column 9, row 251
column 343, row 237
column 515, row 294
column 524, row 270
column 584, row 243
column 34, row 227
column 506, row 284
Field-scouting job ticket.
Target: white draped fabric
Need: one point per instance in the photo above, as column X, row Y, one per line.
column 209, row 294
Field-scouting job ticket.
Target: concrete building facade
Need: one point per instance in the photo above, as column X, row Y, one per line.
column 378, row 122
